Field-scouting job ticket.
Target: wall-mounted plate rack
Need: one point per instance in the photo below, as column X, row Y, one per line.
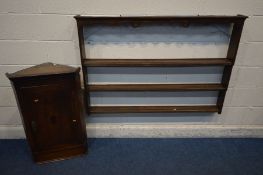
column 228, row 62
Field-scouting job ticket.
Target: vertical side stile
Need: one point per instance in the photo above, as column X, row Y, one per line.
column 231, row 55
column 80, row 26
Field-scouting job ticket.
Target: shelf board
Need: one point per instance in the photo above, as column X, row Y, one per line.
column 151, row 109
column 156, row 62
column 155, row 87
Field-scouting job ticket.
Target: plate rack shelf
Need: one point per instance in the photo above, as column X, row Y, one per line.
column 228, row 62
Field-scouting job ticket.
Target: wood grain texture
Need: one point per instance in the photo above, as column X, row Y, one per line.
column 155, row 87
column 156, row 62
column 57, row 155
column 51, row 111
column 151, row 109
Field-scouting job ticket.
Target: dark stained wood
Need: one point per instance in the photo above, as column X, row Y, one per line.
column 151, row 109
column 84, row 68
column 155, row 62
column 155, row 87
column 156, row 19
column 51, row 112
column 62, row 154
column 231, row 55
column 43, row 69
column 228, row 62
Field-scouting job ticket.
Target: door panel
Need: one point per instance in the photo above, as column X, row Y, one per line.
column 51, row 116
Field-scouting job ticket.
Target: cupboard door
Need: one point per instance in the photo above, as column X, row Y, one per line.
column 51, row 116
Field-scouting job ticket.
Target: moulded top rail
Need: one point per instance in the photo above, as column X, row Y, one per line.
column 197, row 19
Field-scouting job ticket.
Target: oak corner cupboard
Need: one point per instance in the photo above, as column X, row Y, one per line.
column 49, row 100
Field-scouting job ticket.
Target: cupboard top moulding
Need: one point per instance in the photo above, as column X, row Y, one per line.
column 237, row 23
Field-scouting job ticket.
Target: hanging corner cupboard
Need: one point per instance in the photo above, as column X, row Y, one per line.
column 228, row 62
